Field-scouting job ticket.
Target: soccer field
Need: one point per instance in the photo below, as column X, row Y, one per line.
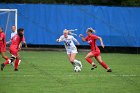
column 51, row 72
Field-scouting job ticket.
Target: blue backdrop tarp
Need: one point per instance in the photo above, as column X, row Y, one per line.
column 44, row 23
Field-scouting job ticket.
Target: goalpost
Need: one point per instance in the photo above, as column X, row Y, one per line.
column 8, row 18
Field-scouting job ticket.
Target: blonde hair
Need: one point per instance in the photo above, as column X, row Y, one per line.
column 69, row 32
column 91, row 30
column 66, row 31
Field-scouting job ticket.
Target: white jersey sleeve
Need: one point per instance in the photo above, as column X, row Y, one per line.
column 13, row 34
column 61, row 38
column 74, row 39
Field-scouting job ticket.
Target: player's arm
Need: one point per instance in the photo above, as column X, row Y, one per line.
column 102, row 44
column 1, row 37
column 24, row 42
column 82, row 37
column 75, row 40
column 59, row 40
column 8, row 42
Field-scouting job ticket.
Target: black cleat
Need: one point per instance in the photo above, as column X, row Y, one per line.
column 93, row 66
column 2, row 67
column 16, row 69
column 109, row 70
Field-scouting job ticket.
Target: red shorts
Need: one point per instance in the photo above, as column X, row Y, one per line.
column 2, row 48
column 95, row 53
column 14, row 51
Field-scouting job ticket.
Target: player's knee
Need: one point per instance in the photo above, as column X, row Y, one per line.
column 12, row 58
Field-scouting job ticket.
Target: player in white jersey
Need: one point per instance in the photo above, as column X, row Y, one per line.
column 70, row 47
column 13, row 33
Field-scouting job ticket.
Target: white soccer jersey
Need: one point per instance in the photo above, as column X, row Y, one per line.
column 13, row 34
column 68, row 42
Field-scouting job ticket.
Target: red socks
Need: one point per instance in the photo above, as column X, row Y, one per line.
column 16, row 63
column 6, row 62
column 89, row 60
column 6, row 58
column 104, row 65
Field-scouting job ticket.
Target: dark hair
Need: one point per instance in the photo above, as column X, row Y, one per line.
column 20, row 29
column 19, row 32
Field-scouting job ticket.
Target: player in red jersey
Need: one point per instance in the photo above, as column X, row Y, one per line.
column 14, row 48
column 3, row 44
column 95, row 51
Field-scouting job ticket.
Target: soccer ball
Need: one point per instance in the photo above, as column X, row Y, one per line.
column 77, row 69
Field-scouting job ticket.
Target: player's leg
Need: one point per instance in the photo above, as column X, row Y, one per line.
column 16, row 63
column 99, row 59
column 77, row 62
column 12, row 58
column 89, row 60
column 4, row 56
column 71, row 58
column 19, row 60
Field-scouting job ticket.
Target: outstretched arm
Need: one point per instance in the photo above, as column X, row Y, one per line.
column 82, row 37
column 102, row 44
column 59, row 40
column 75, row 40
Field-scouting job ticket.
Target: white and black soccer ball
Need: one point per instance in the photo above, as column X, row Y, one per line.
column 77, row 69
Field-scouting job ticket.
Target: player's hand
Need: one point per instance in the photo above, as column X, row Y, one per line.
column 78, row 43
column 26, row 46
column 7, row 43
column 57, row 40
column 81, row 35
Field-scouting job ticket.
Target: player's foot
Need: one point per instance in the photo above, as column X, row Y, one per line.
column 80, row 64
column 93, row 66
column 2, row 67
column 19, row 62
column 109, row 70
column 12, row 63
column 16, row 69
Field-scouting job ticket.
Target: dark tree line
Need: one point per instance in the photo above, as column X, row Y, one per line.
column 94, row 2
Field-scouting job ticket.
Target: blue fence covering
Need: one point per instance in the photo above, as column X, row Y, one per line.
column 44, row 23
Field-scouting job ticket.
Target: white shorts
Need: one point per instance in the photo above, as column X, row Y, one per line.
column 72, row 51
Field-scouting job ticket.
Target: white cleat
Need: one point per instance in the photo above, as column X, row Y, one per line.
column 80, row 64
column 19, row 62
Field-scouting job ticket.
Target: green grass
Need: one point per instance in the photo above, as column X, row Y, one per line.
column 51, row 72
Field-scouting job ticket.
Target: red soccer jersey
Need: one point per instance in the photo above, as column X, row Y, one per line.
column 16, row 40
column 92, row 41
column 3, row 41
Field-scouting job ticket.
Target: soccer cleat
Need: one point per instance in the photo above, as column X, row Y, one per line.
column 93, row 66
column 109, row 70
column 16, row 69
column 2, row 67
column 19, row 62
column 80, row 64
column 12, row 63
